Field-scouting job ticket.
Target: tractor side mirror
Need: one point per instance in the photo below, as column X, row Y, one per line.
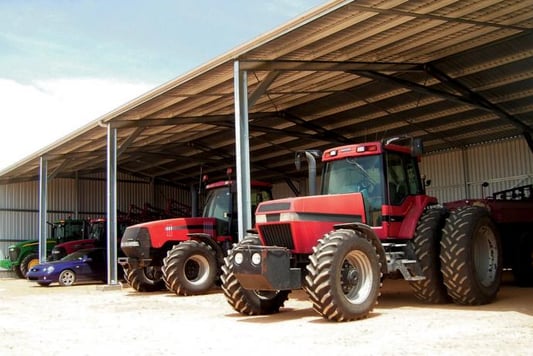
column 298, row 161
column 417, row 147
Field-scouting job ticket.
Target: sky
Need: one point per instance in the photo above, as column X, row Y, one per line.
column 65, row 63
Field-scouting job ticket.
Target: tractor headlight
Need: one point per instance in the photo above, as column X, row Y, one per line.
column 288, row 216
column 238, row 258
column 261, row 218
column 256, row 258
column 130, row 243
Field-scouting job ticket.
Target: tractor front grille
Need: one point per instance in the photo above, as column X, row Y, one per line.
column 277, row 235
column 13, row 254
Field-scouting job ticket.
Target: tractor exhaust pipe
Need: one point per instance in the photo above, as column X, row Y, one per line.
column 311, row 156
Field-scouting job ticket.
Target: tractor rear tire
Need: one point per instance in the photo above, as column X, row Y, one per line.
column 244, row 301
column 471, row 256
column 523, row 260
column 18, row 272
column 344, row 276
column 28, row 262
column 146, row 279
column 426, row 245
column 190, row 268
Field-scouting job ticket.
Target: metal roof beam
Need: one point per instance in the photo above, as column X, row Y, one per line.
column 478, row 99
column 331, row 66
column 421, row 89
column 327, row 134
column 438, row 17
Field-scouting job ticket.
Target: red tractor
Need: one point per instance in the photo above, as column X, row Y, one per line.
column 372, row 220
column 185, row 254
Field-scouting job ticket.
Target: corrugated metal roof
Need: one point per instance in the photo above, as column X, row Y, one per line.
column 455, row 73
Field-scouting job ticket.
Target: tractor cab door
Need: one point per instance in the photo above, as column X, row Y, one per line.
column 403, row 178
column 405, row 193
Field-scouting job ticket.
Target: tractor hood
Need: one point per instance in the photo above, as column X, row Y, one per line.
column 278, row 221
column 156, row 233
column 341, row 208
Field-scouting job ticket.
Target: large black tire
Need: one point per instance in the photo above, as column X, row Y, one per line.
column 426, row 246
column 147, row 279
column 344, row 276
column 471, row 256
column 190, row 268
column 523, row 260
column 244, row 301
column 18, row 272
column 27, row 263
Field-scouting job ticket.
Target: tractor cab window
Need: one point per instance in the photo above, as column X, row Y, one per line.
column 402, row 177
column 218, row 204
column 360, row 174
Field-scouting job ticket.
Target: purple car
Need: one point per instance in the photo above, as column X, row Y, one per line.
column 82, row 265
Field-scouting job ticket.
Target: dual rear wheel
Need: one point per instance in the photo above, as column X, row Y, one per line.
column 460, row 256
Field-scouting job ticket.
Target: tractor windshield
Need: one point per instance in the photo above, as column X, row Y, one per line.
column 361, row 174
column 221, row 204
column 217, row 204
column 68, row 230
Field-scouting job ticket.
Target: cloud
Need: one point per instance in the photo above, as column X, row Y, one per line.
column 35, row 115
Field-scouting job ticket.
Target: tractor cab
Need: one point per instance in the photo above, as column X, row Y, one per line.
column 387, row 177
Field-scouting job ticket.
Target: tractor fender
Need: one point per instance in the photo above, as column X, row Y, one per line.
column 371, row 236
column 210, row 241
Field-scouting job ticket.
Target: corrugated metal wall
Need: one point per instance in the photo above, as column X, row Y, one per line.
column 83, row 198
column 459, row 174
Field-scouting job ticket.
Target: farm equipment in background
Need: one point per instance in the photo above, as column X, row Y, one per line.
column 185, row 254
column 25, row 254
column 372, row 220
column 96, row 237
column 511, row 211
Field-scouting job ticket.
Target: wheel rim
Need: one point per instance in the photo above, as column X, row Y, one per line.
column 485, row 255
column 356, row 277
column 33, row 263
column 67, row 278
column 197, row 269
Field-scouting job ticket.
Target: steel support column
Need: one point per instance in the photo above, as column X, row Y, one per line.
column 112, row 278
column 43, row 191
column 242, row 153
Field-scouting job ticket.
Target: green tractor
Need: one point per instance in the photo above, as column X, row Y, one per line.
column 25, row 254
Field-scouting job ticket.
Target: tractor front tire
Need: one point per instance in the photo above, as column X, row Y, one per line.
column 426, row 246
column 244, row 301
column 27, row 263
column 146, row 279
column 190, row 268
column 343, row 276
column 471, row 256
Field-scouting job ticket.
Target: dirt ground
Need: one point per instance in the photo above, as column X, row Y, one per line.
column 91, row 319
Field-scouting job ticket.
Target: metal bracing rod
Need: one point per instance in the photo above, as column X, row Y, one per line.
column 263, row 86
column 112, row 278
column 242, row 146
column 129, row 140
column 59, row 168
column 43, row 189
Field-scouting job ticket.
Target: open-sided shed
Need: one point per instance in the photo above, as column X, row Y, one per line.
column 454, row 73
